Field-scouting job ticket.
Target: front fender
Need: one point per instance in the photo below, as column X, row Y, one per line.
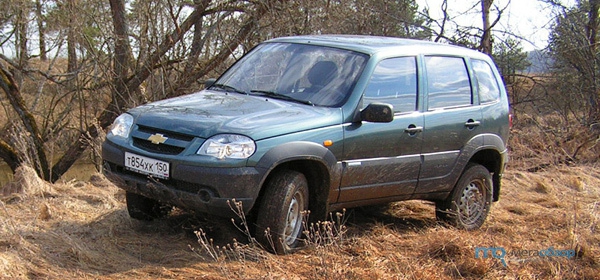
column 297, row 150
column 318, row 164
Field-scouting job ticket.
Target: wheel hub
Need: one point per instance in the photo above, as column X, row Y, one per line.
column 294, row 219
column 472, row 203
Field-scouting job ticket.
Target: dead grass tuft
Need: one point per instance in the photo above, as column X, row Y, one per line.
column 518, row 210
column 470, row 269
column 542, row 187
column 26, row 182
column 446, row 250
column 575, row 183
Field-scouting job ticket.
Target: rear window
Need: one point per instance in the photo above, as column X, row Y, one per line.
column 486, row 81
column 448, row 83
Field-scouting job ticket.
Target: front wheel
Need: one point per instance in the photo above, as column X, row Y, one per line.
column 470, row 201
column 280, row 220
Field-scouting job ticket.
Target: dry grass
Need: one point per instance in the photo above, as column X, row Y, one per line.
column 81, row 229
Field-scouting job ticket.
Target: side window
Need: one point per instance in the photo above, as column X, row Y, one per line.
column 448, row 82
column 486, row 81
column 394, row 81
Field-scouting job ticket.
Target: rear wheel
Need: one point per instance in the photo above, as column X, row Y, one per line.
column 470, row 201
column 143, row 208
column 280, row 220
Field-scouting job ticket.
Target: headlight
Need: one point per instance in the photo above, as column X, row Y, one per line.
column 228, row 146
column 122, row 125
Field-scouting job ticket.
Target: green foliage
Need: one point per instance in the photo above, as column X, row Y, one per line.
column 399, row 18
column 510, row 58
column 576, row 57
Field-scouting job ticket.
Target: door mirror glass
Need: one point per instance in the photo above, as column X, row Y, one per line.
column 378, row 112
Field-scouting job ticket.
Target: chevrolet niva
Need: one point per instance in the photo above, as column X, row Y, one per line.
column 316, row 124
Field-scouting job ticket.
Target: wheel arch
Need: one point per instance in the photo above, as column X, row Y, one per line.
column 491, row 159
column 313, row 160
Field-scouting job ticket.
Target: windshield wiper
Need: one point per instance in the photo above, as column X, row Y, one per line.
column 228, row 88
column 282, row 96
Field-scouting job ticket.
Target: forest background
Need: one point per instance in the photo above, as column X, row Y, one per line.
column 69, row 67
column 74, row 65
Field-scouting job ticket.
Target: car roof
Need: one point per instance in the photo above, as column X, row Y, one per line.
column 377, row 44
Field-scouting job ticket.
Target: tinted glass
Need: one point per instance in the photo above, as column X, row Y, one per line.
column 394, row 81
column 486, row 81
column 447, row 82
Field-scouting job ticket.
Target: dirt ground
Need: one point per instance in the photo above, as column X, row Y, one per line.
column 81, row 229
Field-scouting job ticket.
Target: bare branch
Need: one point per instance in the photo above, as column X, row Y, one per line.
column 9, row 85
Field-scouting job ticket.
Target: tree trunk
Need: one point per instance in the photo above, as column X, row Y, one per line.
column 41, row 29
column 21, row 41
column 9, row 155
column 486, row 38
column 592, row 34
column 122, row 56
column 71, row 39
column 9, row 85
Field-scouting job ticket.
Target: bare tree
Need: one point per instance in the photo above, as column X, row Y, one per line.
column 573, row 46
column 104, row 57
column 591, row 30
column 39, row 16
column 448, row 29
column 116, row 86
column 486, row 37
column 121, row 95
column 10, row 87
column 71, row 37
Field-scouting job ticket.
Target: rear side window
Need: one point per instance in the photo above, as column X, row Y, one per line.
column 394, row 81
column 486, row 81
column 448, row 82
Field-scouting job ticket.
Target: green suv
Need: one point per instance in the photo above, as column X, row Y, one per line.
column 314, row 124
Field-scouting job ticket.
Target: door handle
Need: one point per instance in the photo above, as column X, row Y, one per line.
column 413, row 129
column 472, row 123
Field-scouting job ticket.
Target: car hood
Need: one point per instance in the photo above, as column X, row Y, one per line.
column 208, row 113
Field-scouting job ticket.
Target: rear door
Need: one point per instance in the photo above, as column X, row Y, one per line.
column 383, row 159
column 452, row 118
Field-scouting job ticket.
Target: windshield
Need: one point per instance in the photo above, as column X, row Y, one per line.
column 316, row 75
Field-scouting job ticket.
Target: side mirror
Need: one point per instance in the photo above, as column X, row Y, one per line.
column 377, row 112
column 209, row 82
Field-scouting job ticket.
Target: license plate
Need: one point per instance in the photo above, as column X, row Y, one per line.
column 146, row 166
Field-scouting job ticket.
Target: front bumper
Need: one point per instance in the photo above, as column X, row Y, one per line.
column 201, row 189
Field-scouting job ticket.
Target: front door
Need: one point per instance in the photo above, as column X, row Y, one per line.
column 383, row 159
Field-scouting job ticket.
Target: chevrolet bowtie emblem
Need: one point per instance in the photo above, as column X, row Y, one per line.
column 157, row 138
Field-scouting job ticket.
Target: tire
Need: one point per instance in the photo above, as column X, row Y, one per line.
column 468, row 205
column 143, row 208
column 282, row 212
